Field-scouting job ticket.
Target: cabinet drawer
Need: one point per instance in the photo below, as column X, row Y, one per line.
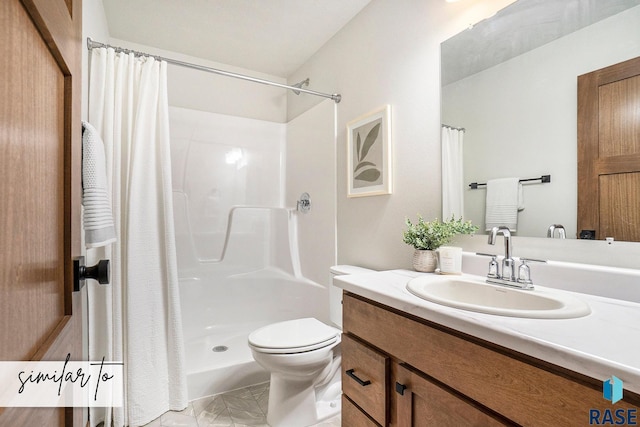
column 364, row 378
column 354, row 417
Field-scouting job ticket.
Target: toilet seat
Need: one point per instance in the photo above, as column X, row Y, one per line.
column 294, row 350
column 293, row 336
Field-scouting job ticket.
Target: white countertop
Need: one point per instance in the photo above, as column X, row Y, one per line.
column 604, row 343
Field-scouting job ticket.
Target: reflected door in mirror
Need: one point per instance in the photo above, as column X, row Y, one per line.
column 609, row 151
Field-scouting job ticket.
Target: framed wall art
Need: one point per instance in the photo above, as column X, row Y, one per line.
column 369, row 154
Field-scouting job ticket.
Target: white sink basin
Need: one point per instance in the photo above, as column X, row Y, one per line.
column 469, row 293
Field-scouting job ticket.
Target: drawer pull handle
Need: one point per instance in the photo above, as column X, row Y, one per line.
column 355, row 377
column 400, row 388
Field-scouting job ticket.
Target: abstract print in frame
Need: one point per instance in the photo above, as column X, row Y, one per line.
column 369, row 154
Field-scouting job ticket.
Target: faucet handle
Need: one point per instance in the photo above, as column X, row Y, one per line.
column 524, row 272
column 533, row 260
column 483, row 254
column 494, row 271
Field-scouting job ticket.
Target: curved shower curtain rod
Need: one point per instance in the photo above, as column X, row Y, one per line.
column 91, row 44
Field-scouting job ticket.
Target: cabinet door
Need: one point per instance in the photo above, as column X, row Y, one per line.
column 421, row 402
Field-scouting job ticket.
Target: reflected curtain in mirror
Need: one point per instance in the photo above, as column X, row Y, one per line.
column 452, row 175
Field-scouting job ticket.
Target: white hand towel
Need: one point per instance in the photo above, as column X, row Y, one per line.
column 98, row 223
column 504, row 200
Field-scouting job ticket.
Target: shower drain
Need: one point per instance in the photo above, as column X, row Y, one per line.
column 220, row 348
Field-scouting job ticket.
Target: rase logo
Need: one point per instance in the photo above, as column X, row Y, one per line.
column 612, row 390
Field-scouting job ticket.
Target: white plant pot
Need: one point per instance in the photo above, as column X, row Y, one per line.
column 425, row 261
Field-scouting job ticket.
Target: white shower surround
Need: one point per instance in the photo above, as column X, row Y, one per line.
column 220, row 162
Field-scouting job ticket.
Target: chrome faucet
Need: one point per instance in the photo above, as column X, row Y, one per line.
column 508, row 276
column 552, row 229
column 508, row 264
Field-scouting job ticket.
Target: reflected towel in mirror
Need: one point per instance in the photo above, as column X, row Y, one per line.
column 504, row 200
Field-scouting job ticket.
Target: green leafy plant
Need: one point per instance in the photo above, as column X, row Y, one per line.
column 430, row 235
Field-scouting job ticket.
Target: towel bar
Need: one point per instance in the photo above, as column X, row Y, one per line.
column 543, row 179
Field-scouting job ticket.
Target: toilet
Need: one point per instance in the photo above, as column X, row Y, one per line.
column 303, row 358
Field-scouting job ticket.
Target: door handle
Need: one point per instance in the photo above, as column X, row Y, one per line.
column 99, row 272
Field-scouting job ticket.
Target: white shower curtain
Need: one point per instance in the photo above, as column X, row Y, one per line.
column 137, row 317
column 452, row 174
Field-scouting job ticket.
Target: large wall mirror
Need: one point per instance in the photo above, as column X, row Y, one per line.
column 511, row 82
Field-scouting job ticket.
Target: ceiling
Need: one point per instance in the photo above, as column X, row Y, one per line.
column 522, row 26
column 271, row 36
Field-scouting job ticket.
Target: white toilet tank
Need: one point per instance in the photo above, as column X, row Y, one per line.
column 335, row 293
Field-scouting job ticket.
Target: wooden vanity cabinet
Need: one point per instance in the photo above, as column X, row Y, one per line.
column 436, row 376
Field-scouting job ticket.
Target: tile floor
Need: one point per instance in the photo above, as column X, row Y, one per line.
column 239, row 408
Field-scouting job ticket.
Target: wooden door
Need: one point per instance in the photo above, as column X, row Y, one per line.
column 421, row 402
column 609, row 151
column 40, row 315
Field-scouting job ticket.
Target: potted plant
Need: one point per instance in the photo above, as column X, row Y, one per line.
column 427, row 236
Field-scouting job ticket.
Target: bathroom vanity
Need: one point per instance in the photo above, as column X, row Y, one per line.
column 411, row 362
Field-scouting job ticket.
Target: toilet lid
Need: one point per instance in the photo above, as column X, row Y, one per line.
column 293, row 336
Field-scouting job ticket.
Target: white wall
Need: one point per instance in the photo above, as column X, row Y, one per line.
column 389, row 54
column 310, row 166
column 522, row 117
column 94, row 25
